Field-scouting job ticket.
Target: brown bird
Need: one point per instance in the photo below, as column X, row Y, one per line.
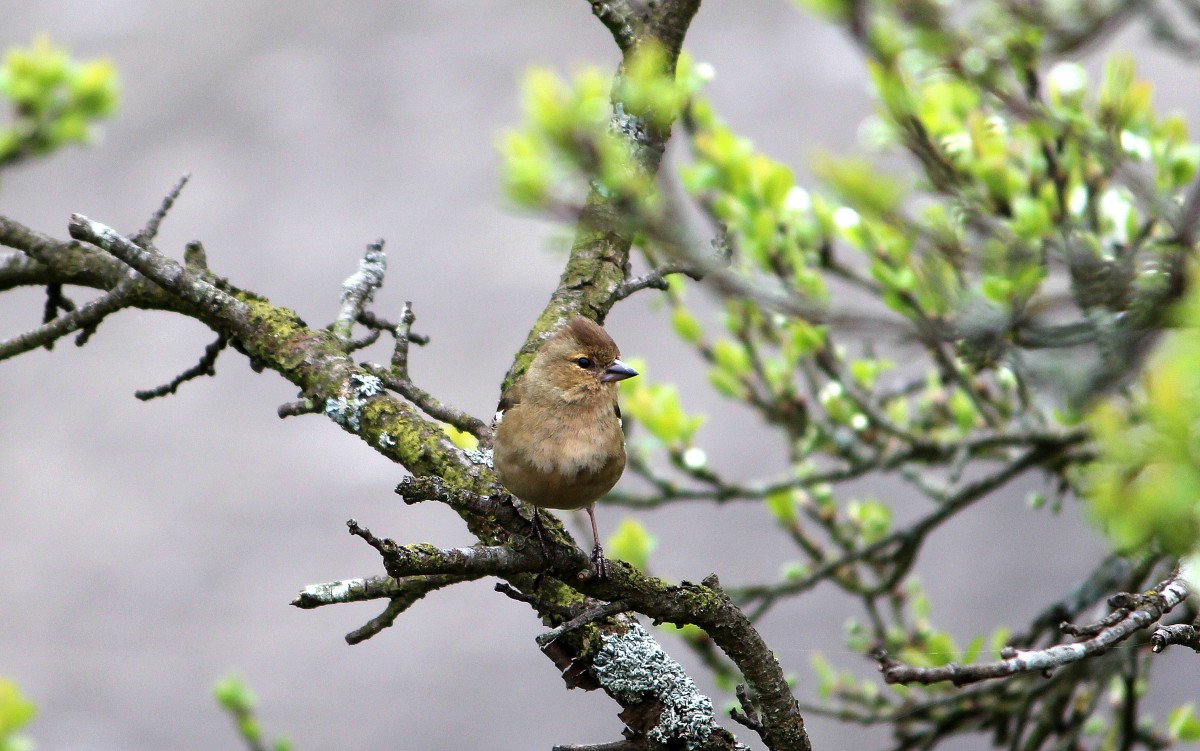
column 558, row 441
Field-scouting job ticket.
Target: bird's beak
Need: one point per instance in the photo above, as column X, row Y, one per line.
column 618, row 371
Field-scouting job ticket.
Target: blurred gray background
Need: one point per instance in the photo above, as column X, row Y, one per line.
column 149, row 549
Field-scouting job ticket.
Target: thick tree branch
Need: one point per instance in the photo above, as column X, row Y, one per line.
column 66, row 263
column 167, row 273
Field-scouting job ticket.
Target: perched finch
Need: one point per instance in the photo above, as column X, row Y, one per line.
column 558, row 440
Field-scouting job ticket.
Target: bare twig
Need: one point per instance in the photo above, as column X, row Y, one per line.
column 205, row 367
column 300, row 407
column 748, row 716
column 656, row 279
column 900, row 540
column 163, row 271
column 1151, row 607
column 613, row 746
column 89, row 315
column 479, row 560
column 589, row 616
column 150, row 231
column 429, row 404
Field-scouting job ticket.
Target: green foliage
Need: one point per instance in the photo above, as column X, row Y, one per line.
column 783, row 504
column 1144, row 487
column 460, row 438
column 872, row 519
column 1183, row 724
column 55, row 99
column 236, row 698
column 15, row 713
column 656, row 407
column 632, row 543
column 572, row 130
column 1034, row 215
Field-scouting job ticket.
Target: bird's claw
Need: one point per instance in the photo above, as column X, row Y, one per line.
column 599, row 562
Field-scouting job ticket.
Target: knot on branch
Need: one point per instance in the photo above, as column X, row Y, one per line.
column 1184, row 634
column 426, row 488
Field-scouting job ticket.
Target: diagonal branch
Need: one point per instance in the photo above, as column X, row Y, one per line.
column 163, row 271
column 621, row 19
column 1149, row 608
column 596, row 268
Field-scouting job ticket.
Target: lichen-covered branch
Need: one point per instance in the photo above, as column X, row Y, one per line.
column 359, row 289
column 409, row 588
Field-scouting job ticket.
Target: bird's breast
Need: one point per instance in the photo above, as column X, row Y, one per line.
column 559, row 458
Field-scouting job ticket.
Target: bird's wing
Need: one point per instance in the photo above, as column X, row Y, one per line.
column 508, row 399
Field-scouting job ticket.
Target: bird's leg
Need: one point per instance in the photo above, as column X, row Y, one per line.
column 597, row 552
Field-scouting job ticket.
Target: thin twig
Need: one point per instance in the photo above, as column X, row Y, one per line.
column 595, row 614
column 89, row 315
column 1151, row 608
column 150, row 231
column 205, row 367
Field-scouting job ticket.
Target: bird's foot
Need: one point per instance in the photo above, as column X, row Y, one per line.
column 599, row 562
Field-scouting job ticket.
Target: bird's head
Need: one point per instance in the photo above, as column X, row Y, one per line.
column 579, row 361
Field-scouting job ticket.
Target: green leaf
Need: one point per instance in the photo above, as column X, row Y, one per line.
column 971, row 653
column 940, row 649
column 731, row 357
column 826, row 676
column 686, row 326
column 866, row 371
column 873, row 518
column 963, row 410
column 460, row 438
column 232, row 693
column 859, row 184
column 782, row 505
column 632, row 543
column 726, row 383
column 1183, row 725
column 15, row 710
column 657, row 407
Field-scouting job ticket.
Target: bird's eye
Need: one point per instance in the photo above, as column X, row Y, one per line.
column 584, row 362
